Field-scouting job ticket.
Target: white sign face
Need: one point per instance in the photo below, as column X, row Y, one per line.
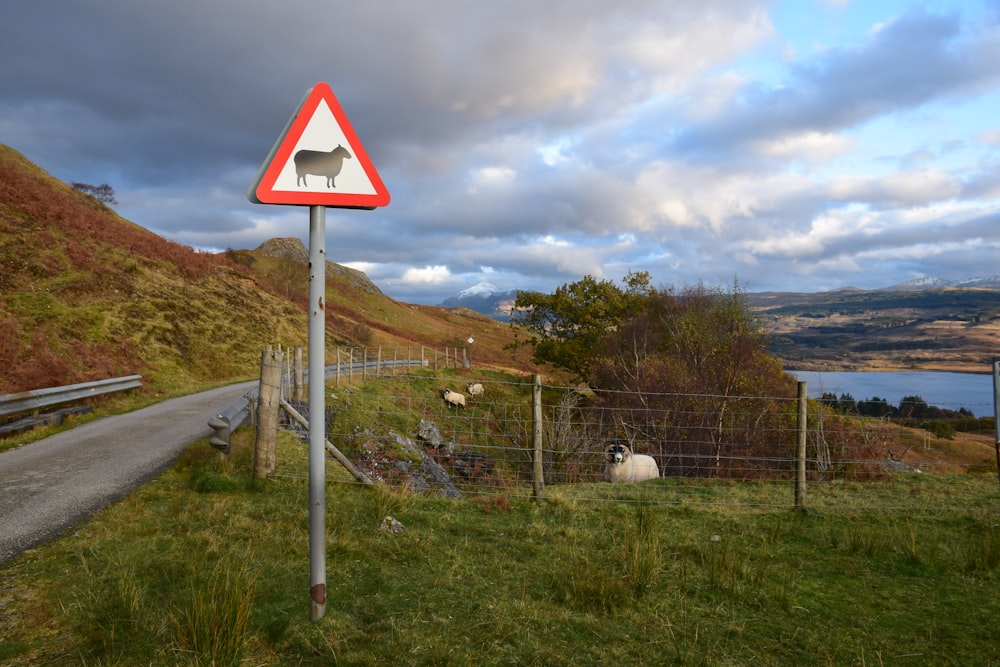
column 319, row 160
column 320, row 141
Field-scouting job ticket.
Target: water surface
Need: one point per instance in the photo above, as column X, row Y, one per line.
column 945, row 390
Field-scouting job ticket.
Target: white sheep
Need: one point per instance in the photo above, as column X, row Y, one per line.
column 454, row 398
column 624, row 466
column 475, row 389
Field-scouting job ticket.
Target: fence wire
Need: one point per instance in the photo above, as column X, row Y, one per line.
column 709, row 450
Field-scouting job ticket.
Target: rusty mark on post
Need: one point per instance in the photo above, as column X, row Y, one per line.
column 321, row 303
column 318, row 593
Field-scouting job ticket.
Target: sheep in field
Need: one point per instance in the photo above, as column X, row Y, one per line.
column 624, row 466
column 454, row 398
column 475, row 389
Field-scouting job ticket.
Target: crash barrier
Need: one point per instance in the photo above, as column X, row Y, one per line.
column 26, row 401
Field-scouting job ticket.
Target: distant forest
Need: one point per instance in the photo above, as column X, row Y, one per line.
column 912, row 411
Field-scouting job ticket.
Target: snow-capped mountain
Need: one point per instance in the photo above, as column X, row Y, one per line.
column 484, row 298
column 933, row 282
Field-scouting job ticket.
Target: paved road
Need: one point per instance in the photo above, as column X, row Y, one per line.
column 50, row 485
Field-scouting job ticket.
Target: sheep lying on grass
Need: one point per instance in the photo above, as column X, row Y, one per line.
column 454, row 398
column 624, row 466
column 475, row 389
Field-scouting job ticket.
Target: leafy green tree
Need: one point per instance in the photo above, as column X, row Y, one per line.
column 915, row 407
column 568, row 326
column 847, row 404
column 876, row 407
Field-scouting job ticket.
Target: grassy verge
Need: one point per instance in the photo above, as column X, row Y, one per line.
column 207, row 566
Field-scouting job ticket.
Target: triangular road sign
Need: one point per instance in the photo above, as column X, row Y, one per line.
column 319, row 161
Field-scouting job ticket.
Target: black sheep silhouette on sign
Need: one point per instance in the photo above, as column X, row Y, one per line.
column 320, row 163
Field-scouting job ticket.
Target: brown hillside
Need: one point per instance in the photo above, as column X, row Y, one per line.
column 946, row 329
column 86, row 294
column 357, row 312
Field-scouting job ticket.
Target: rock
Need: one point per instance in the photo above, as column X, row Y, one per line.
column 429, row 434
column 900, row 466
column 395, row 459
column 391, row 525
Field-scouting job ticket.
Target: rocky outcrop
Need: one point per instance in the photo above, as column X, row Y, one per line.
column 293, row 249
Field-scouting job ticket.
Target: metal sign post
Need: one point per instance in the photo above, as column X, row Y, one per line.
column 317, row 411
column 318, row 161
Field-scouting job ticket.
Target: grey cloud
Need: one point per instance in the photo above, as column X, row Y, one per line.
column 913, row 60
column 176, row 104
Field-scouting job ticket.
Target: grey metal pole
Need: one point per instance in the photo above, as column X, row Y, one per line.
column 317, row 411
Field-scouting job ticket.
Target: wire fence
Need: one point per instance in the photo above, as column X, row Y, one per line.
column 752, row 451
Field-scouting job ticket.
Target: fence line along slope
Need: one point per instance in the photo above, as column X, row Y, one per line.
column 739, row 450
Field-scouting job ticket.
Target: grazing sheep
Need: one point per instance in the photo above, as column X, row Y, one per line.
column 475, row 389
column 454, row 398
column 624, row 466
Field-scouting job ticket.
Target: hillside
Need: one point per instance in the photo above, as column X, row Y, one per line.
column 947, row 329
column 86, row 294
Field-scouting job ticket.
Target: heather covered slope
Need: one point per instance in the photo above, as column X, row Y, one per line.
column 86, row 294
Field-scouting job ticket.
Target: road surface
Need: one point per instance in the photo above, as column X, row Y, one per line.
column 49, row 485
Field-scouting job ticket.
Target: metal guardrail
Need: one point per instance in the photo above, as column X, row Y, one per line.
column 27, row 401
column 238, row 412
column 231, row 419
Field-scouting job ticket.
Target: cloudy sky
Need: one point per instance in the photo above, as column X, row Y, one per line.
column 794, row 145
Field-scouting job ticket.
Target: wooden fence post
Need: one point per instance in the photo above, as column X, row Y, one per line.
column 800, row 450
column 268, row 402
column 537, row 471
column 299, row 373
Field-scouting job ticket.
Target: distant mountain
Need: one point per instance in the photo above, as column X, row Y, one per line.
column 484, row 298
column 487, row 299
column 933, row 282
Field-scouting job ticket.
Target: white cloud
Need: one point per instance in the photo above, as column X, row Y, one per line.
column 809, row 147
column 494, row 176
column 434, row 275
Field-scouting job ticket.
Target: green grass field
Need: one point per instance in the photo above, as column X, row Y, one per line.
column 207, row 566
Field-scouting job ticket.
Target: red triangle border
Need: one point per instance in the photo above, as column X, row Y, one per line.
column 262, row 190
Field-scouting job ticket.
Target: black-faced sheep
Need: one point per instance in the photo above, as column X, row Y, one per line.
column 624, row 466
column 320, row 163
column 475, row 389
column 454, row 398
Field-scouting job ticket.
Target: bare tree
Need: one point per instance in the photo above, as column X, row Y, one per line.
column 102, row 193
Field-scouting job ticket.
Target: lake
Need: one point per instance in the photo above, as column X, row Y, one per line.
column 946, row 390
